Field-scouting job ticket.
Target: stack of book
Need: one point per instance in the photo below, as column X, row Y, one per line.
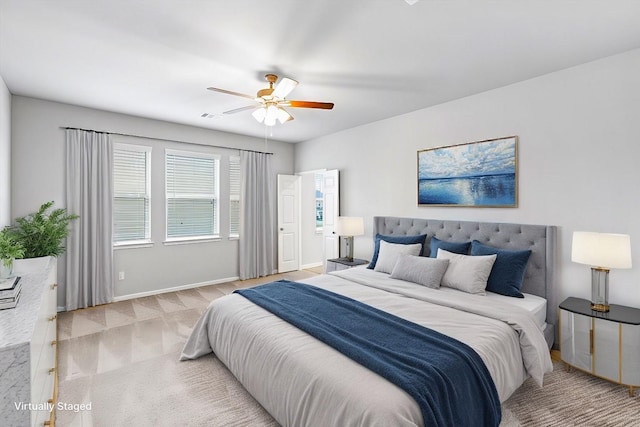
column 9, row 292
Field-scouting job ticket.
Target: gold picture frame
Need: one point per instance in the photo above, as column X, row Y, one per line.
column 474, row 174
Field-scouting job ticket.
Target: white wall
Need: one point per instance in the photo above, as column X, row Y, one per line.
column 39, row 172
column 5, row 155
column 579, row 156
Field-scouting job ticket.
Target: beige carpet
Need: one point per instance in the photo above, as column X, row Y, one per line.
column 574, row 399
column 123, row 359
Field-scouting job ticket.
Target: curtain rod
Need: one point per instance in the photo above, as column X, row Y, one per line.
column 166, row 139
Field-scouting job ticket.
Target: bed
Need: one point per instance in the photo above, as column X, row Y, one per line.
column 301, row 381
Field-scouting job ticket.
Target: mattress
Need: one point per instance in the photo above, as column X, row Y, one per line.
column 532, row 303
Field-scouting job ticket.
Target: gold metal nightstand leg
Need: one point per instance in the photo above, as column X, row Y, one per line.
column 631, row 391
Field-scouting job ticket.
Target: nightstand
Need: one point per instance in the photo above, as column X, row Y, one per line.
column 342, row 264
column 606, row 345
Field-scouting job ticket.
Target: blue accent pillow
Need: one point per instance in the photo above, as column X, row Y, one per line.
column 461, row 248
column 402, row 240
column 507, row 273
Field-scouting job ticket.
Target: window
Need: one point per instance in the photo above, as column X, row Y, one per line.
column 131, row 194
column 319, row 202
column 234, row 196
column 192, row 195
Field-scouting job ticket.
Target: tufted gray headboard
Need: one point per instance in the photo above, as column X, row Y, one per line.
column 540, row 239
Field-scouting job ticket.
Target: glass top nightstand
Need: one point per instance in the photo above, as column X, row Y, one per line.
column 343, row 263
column 604, row 344
column 616, row 313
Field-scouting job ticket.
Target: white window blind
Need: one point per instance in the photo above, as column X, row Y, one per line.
column 192, row 195
column 131, row 191
column 234, row 196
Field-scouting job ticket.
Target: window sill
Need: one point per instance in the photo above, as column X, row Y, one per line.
column 189, row 241
column 133, row 245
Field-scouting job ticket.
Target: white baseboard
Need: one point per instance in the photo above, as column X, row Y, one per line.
column 173, row 289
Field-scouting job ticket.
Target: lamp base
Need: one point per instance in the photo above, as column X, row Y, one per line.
column 600, row 307
column 600, row 289
column 349, row 244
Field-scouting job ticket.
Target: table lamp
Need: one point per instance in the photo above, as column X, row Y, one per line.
column 602, row 251
column 349, row 226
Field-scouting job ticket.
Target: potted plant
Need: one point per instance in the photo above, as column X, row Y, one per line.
column 43, row 233
column 10, row 249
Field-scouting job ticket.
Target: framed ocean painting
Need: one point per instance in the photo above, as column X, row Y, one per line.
column 475, row 174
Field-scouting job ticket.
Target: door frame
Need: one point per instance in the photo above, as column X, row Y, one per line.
column 305, row 233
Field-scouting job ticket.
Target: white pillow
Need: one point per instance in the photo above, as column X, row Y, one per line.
column 424, row 271
column 467, row 273
column 389, row 253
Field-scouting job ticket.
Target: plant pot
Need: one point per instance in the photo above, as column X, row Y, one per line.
column 6, row 268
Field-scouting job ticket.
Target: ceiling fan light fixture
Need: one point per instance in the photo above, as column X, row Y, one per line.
column 269, row 121
column 272, row 113
column 259, row 114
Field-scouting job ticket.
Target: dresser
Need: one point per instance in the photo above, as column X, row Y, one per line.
column 606, row 345
column 28, row 347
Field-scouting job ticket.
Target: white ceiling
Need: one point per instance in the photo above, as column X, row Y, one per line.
column 373, row 58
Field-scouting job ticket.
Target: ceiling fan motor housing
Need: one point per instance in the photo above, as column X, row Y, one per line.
column 266, row 93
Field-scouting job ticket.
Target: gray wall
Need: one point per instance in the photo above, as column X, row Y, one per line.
column 5, row 155
column 39, row 171
column 579, row 149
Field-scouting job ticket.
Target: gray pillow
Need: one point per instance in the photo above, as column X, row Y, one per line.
column 389, row 253
column 421, row 270
column 467, row 273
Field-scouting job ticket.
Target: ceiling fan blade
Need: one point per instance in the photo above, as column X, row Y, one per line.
column 285, row 116
column 284, row 88
column 230, row 92
column 239, row 110
column 310, row 104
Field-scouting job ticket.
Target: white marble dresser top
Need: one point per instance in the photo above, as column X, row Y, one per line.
column 17, row 324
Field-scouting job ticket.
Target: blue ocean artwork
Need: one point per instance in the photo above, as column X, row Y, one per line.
column 475, row 174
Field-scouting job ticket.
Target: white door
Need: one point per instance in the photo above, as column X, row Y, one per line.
column 288, row 223
column 331, row 207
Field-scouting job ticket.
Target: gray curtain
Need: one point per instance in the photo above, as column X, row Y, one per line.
column 257, row 214
column 90, row 195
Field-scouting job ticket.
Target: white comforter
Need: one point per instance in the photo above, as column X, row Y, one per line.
column 303, row 382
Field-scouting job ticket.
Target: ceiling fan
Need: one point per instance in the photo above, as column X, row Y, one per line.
column 269, row 102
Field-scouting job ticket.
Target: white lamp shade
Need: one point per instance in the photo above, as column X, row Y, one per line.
column 349, row 226
column 601, row 249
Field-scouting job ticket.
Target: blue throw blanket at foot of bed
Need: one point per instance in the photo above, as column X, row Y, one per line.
column 446, row 377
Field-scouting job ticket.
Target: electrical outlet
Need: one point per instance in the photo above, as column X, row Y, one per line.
column 121, row 275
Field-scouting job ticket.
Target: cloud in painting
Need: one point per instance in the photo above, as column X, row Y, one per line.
column 475, row 159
